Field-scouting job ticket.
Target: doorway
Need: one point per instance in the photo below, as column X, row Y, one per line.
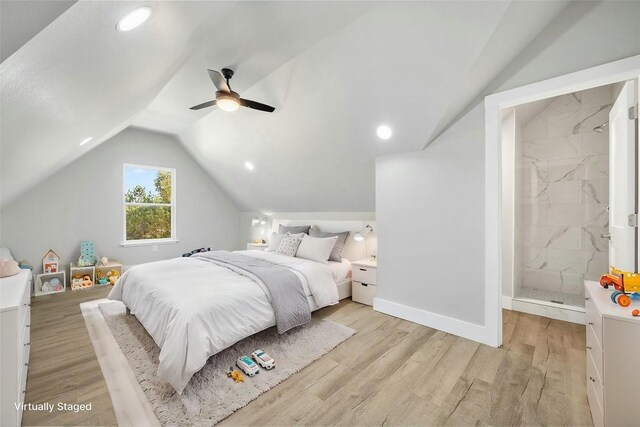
column 561, row 199
column 500, row 196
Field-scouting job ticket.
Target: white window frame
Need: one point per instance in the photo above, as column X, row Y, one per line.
column 172, row 205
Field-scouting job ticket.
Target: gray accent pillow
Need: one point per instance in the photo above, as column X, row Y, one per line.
column 284, row 229
column 289, row 246
column 336, row 253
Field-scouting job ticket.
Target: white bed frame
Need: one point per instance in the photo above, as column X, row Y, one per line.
column 353, row 250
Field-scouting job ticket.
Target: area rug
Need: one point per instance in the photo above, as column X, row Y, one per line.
column 211, row 396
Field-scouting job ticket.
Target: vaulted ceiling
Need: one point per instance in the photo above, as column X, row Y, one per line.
column 333, row 70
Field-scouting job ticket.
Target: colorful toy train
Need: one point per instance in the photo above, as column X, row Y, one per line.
column 627, row 286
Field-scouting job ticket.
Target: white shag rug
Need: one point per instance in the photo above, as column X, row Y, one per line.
column 211, row 396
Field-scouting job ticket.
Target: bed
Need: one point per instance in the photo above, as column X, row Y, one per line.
column 193, row 308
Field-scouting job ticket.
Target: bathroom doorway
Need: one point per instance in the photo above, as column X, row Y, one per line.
column 565, row 152
column 561, row 196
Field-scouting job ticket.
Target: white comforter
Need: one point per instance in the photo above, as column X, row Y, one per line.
column 194, row 309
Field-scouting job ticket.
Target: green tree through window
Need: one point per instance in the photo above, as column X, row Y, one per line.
column 148, row 203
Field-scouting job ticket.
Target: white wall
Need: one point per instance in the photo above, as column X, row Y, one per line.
column 83, row 201
column 430, row 204
column 430, row 215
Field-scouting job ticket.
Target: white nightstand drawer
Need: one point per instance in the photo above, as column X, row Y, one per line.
column 364, row 274
column 257, row 246
column 362, row 292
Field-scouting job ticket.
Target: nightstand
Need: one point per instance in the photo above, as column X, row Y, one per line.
column 363, row 281
column 257, row 246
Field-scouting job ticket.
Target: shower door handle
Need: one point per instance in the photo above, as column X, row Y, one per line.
column 606, row 236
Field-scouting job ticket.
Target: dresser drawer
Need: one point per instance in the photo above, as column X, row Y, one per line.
column 595, row 351
column 593, row 318
column 364, row 275
column 363, row 293
column 593, row 380
column 594, row 405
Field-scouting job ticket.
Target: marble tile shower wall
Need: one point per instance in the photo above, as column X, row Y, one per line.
column 562, row 171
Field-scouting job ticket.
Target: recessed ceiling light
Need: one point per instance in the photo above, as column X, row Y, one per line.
column 384, row 132
column 134, row 19
column 86, row 140
column 249, row 165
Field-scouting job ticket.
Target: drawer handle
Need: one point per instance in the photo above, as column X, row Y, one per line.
column 27, row 326
column 26, row 344
column 592, row 380
column 26, row 364
column 587, row 299
column 28, row 305
column 591, row 323
column 364, row 284
column 588, row 348
column 363, row 269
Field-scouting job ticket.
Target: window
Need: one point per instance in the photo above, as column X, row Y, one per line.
column 149, row 204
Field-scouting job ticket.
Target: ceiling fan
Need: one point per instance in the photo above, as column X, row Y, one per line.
column 227, row 99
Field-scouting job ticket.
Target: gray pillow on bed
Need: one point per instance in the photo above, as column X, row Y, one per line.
column 284, row 229
column 336, row 253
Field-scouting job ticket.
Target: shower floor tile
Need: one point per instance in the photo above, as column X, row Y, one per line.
column 550, row 296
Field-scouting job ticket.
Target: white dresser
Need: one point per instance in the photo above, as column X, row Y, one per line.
column 15, row 318
column 613, row 359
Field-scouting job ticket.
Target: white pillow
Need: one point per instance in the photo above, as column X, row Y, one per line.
column 276, row 239
column 289, row 245
column 316, row 248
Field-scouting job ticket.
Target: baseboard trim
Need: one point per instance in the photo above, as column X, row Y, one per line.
column 447, row 324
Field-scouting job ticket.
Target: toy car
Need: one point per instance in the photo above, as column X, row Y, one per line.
column 627, row 286
column 263, row 359
column 247, row 366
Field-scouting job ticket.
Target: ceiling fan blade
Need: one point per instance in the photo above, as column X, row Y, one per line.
column 256, row 105
column 219, row 81
column 203, row 105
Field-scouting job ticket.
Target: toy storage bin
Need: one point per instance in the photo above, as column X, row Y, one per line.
column 104, row 270
column 74, row 270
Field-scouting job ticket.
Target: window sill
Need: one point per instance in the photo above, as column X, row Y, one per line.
column 149, row 242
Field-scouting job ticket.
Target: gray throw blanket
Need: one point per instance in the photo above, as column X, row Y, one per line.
column 283, row 286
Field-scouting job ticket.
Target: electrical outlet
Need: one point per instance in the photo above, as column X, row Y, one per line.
column 154, row 248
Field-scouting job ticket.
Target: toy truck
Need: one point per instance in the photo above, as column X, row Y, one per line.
column 263, row 359
column 247, row 366
column 627, row 286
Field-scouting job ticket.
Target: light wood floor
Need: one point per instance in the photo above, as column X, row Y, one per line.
column 392, row 372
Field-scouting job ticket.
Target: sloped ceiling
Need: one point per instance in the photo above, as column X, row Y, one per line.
column 333, row 70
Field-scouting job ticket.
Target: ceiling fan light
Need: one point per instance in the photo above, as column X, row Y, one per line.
column 228, row 103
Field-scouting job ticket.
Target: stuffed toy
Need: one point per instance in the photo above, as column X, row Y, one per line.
column 8, row 267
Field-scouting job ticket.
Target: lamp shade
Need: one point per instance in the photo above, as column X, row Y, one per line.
column 359, row 236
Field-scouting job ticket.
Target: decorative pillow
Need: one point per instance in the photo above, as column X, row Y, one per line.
column 276, row 239
column 289, row 245
column 336, row 253
column 284, row 229
column 8, row 267
column 316, row 248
